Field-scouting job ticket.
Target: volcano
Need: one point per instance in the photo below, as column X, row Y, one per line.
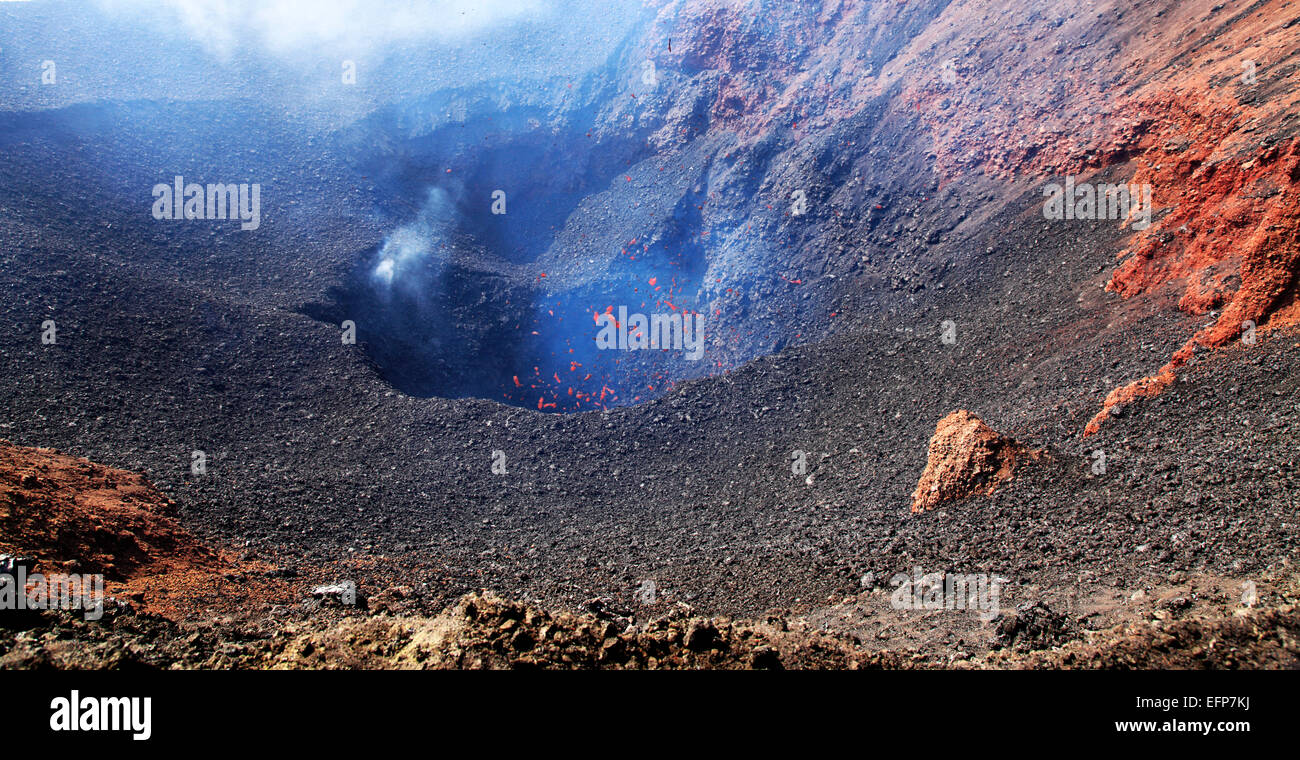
column 812, row 231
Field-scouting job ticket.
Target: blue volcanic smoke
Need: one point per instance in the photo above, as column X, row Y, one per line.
column 647, row 291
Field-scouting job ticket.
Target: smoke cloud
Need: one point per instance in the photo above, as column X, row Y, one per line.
column 355, row 27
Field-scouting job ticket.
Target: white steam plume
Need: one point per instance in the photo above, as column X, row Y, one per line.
column 412, row 247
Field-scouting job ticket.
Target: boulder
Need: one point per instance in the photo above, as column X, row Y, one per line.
column 967, row 458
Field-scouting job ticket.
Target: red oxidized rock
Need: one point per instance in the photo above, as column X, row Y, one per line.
column 967, row 458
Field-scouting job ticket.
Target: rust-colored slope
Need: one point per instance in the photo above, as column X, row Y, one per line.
column 1236, row 242
column 73, row 513
column 1201, row 98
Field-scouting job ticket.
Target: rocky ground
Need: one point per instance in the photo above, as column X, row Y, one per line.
column 1125, row 547
column 1201, row 625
